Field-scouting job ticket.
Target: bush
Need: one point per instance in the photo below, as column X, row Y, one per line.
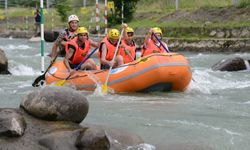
column 129, row 8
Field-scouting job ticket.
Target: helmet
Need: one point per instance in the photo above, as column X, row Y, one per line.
column 81, row 30
column 72, row 18
column 129, row 29
column 114, row 34
column 157, row 30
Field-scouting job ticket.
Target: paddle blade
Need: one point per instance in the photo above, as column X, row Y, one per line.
column 37, row 81
column 60, row 83
column 105, row 89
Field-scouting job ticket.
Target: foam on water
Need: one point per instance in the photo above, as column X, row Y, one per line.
column 20, row 70
column 143, row 146
column 205, row 81
column 15, row 47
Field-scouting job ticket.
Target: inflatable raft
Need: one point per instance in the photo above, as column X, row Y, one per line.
column 156, row 72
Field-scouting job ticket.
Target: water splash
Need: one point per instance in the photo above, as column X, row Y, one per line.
column 143, row 146
column 21, row 69
column 15, row 47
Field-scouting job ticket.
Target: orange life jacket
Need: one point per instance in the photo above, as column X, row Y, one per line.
column 79, row 54
column 110, row 49
column 127, row 52
column 151, row 48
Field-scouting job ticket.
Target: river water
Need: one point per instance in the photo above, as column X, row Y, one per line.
column 214, row 113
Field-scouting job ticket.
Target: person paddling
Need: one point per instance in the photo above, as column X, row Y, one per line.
column 151, row 44
column 107, row 50
column 77, row 49
column 128, row 45
column 64, row 36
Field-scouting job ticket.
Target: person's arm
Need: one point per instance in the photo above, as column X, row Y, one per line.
column 147, row 38
column 103, row 55
column 94, row 43
column 67, row 57
column 125, row 35
column 55, row 46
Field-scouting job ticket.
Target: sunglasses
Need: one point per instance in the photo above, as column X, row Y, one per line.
column 130, row 34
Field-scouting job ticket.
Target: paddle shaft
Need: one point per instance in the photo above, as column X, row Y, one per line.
column 79, row 65
column 166, row 49
column 116, row 50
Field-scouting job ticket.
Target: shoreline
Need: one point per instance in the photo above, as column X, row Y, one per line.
column 175, row 44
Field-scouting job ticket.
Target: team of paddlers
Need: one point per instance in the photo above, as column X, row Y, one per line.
column 74, row 43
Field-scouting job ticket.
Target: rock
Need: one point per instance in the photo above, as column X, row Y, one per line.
column 231, row 64
column 12, row 124
column 220, row 34
column 3, row 63
column 93, row 139
column 61, row 140
column 235, row 33
column 57, row 104
column 118, row 139
column 245, row 33
column 212, row 33
column 35, row 129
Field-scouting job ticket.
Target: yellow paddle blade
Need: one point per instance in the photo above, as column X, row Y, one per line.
column 105, row 88
column 60, row 83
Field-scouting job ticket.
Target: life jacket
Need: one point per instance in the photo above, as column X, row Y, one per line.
column 79, row 54
column 128, row 52
column 110, row 49
column 152, row 48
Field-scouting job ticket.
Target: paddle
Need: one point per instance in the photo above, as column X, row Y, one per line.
column 105, row 85
column 38, row 80
column 62, row 82
column 166, row 48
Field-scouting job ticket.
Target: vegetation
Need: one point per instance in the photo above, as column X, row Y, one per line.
column 63, row 7
column 129, row 9
column 192, row 18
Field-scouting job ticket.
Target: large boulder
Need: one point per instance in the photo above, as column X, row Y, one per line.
column 12, row 123
column 3, row 63
column 231, row 64
column 57, row 104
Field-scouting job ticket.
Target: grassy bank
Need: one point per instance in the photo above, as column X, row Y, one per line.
column 201, row 16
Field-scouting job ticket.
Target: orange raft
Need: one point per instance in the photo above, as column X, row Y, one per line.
column 156, row 72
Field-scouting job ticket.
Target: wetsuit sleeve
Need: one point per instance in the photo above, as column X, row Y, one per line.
column 61, row 37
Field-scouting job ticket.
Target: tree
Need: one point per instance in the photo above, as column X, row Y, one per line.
column 63, row 7
column 129, row 9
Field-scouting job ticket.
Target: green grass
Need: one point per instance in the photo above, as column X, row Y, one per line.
column 151, row 10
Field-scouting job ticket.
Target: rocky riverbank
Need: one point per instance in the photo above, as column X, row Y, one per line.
column 48, row 119
column 231, row 40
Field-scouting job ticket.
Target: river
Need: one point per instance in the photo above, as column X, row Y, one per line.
column 214, row 112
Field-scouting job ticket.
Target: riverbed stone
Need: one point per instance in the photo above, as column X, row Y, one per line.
column 57, row 104
column 3, row 63
column 12, row 123
column 118, row 139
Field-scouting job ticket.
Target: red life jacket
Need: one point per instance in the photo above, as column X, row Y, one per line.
column 128, row 52
column 79, row 54
column 110, row 49
column 152, row 48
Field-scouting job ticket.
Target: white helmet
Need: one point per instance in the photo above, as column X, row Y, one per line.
column 72, row 18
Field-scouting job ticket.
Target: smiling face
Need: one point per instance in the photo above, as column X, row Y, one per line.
column 73, row 25
column 82, row 37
